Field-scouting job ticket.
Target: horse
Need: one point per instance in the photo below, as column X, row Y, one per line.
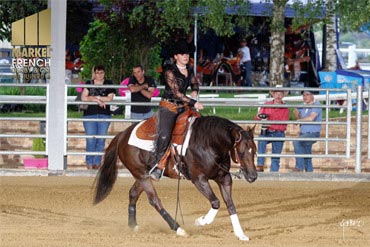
column 213, row 142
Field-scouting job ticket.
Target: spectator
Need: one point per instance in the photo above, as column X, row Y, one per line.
column 142, row 88
column 100, row 111
column 245, row 62
column 307, row 114
column 272, row 130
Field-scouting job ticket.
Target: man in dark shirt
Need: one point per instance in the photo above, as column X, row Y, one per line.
column 142, row 88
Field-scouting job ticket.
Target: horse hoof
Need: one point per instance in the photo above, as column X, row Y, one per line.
column 243, row 238
column 181, row 232
column 200, row 221
column 135, row 228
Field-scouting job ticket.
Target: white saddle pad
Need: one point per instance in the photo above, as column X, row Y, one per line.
column 148, row 145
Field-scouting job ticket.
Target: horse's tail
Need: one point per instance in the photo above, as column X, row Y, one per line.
column 107, row 173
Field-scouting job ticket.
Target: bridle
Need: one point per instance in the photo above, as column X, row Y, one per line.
column 236, row 143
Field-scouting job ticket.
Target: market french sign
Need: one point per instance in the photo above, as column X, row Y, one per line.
column 31, row 40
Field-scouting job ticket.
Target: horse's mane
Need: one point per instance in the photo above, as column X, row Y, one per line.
column 212, row 130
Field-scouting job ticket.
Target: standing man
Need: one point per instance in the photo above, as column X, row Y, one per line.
column 245, row 62
column 142, row 88
column 307, row 114
column 272, row 130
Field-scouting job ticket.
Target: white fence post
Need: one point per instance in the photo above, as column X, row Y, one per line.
column 358, row 130
column 128, row 107
column 56, row 97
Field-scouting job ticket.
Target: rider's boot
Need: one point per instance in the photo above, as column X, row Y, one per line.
column 156, row 172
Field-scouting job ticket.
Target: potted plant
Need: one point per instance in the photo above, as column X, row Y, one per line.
column 39, row 161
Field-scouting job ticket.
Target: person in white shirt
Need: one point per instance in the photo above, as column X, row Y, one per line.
column 245, row 63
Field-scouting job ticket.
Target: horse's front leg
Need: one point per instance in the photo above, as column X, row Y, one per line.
column 225, row 185
column 154, row 200
column 134, row 195
column 202, row 184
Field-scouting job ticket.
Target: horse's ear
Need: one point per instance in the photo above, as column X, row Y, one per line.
column 251, row 129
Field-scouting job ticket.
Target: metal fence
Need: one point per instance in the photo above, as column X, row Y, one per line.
column 247, row 100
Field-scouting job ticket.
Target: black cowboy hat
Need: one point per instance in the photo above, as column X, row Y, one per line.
column 181, row 47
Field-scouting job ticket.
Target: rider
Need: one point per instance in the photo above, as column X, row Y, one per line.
column 177, row 77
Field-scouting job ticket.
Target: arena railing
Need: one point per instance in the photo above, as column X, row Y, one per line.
column 24, row 99
column 214, row 101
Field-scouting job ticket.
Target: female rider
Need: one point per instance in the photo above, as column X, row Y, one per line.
column 177, row 77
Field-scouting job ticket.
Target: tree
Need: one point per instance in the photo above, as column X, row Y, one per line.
column 331, row 38
column 127, row 33
column 277, row 43
column 79, row 17
column 352, row 15
column 11, row 11
column 168, row 15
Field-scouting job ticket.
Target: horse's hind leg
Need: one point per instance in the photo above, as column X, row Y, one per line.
column 156, row 203
column 134, row 195
column 225, row 185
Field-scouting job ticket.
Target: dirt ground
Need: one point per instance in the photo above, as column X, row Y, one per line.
column 57, row 211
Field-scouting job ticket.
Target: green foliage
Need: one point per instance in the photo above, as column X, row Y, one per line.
column 36, row 91
column 118, row 48
column 154, row 61
column 353, row 14
column 38, row 145
column 11, row 11
column 129, row 33
column 166, row 16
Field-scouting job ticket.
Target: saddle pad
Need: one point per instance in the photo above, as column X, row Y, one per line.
column 148, row 145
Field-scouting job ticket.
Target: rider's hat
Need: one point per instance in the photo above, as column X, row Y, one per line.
column 181, row 47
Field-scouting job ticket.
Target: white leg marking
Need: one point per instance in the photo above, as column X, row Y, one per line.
column 207, row 219
column 238, row 231
column 181, row 232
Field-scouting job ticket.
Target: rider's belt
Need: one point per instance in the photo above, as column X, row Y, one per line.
column 171, row 106
column 177, row 102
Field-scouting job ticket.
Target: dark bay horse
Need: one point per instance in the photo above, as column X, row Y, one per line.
column 213, row 142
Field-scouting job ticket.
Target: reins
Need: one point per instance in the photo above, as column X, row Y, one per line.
column 178, row 163
column 237, row 141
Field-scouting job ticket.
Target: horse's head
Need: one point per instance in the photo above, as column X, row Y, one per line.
column 244, row 152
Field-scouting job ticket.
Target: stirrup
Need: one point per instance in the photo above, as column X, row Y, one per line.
column 155, row 173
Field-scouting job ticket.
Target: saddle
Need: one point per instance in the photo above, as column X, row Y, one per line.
column 147, row 130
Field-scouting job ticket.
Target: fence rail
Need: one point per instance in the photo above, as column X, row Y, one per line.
column 213, row 100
